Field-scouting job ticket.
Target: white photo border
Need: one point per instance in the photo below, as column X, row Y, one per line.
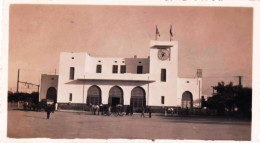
column 255, row 4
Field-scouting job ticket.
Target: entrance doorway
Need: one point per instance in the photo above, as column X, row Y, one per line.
column 51, row 95
column 187, row 101
column 115, row 96
column 115, row 101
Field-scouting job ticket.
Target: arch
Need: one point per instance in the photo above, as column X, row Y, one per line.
column 94, row 95
column 187, row 100
column 52, row 94
column 138, row 97
column 116, row 96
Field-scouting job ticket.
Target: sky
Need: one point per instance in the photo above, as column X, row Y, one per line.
column 217, row 40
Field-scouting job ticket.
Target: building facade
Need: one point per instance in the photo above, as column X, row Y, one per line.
column 139, row 82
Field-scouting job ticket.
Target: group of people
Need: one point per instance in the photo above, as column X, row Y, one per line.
column 118, row 109
column 105, row 110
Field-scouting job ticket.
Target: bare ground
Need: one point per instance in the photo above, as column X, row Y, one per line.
column 74, row 124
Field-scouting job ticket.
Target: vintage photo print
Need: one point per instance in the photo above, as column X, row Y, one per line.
column 149, row 72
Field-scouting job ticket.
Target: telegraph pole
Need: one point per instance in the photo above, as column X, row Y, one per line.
column 26, row 83
column 240, row 81
column 17, row 89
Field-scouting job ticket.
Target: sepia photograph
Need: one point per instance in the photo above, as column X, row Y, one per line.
column 130, row 72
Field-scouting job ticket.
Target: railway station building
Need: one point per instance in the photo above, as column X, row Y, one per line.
column 151, row 81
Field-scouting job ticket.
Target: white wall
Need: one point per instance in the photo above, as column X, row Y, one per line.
column 194, row 85
column 167, row 89
column 66, row 85
column 86, row 76
column 86, row 66
column 47, row 81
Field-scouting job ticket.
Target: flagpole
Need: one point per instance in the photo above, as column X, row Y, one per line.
column 171, row 33
column 156, row 33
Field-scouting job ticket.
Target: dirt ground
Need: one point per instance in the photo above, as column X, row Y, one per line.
column 79, row 124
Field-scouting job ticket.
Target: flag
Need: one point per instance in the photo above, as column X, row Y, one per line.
column 171, row 31
column 157, row 31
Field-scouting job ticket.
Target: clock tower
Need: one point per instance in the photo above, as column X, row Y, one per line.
column 164, row 70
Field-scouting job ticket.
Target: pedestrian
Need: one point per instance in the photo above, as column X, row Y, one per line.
column 131, row 110
column 48, row 110
column 101, row 109
column 127, row 110
column 142, row 115
column 165, row 111
column 149, row 111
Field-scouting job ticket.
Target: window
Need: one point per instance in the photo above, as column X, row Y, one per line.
column 162, row 99
column 122, row 69
column 70, row 96
column 72, row 71
column 115, row 69
column 99, row 69
column 139, row 69
column 163, row 75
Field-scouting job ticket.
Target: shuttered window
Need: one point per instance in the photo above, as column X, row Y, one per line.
column 72, row 72
column 70, row 96
column 162, row 99
column 115, row 69
column 139, row 69
column 163, row 75
column 122, row 69
column 99, row 69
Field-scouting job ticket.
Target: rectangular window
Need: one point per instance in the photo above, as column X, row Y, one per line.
column 72, row 71
column 122, row 69
column 162, row 99
column 70, row 96
column 115, row 69
column 99, row 69
column 139, row 69
column 163, row 75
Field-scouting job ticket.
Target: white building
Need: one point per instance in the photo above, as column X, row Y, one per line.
column 151, row 81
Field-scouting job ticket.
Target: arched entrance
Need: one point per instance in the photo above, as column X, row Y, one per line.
column 115, row 96
column 187, row 101
column 51, row 95
column 94, row 95
column 138, row 97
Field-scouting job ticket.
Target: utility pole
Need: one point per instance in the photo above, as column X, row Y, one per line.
column 17, row 89
column 26, row 83
column 240, row 81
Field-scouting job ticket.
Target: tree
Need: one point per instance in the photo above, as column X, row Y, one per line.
column 228, row 97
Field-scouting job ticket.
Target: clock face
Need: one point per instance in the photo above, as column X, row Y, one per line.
column 163, row 54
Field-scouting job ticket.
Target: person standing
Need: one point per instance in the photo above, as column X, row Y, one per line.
column 149, row 111
column 101, row 109
column 127, row 110
column 142, row 115
column 131, row 110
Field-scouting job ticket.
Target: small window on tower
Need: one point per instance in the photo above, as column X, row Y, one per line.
column 70, row 97
column 163, row 75
column 162, row 99
column 72, row 71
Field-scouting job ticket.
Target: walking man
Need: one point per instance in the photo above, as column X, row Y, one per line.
column 48, row 110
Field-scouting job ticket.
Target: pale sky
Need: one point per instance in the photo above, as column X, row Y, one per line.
column 217, row 40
